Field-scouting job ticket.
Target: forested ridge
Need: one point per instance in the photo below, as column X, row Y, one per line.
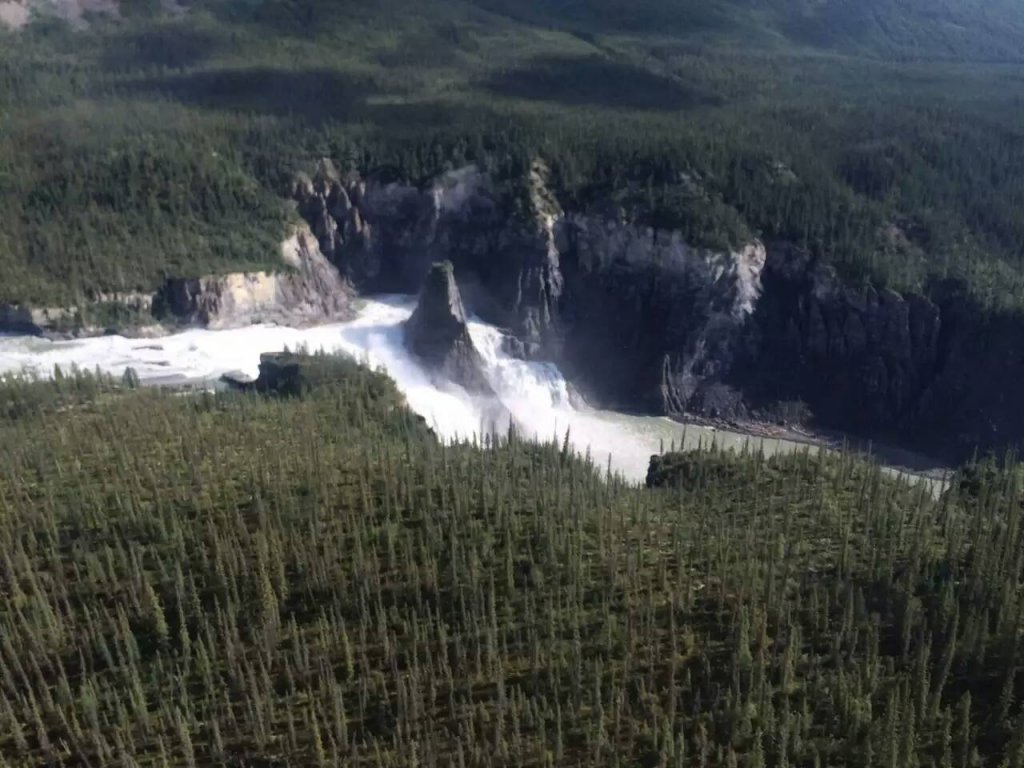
column 309, row 577
column 312, row 579
column 885, row 137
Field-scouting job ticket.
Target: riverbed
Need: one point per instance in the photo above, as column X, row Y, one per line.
column 535, row 395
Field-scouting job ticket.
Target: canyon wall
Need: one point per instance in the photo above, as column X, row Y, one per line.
column 641, row 320
column 637, row 318
column 310, row 290
column 307, row 289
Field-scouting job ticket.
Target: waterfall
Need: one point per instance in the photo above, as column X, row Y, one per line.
column 534, row 395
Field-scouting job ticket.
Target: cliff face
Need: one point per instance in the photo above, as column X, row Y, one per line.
column 15, row 14
column 640, row 320
column 129, row 312
column 658, row 322
column 637, row 317
column 852, row 354
column 311, row 291
column 307, row 290
column 940, row 374
column 974, row 398
column 33, row 320
column 384, row 236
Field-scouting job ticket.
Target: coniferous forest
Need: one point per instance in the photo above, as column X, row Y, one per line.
column 158, row 142
column 311, row 578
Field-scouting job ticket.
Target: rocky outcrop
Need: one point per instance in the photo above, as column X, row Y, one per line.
column 384, row 235
column 697, row 470
column 128, row 313
column 972, row 400
column 15, row 14
column 438, row 335
column 35, row 320
column 677, row 315
column 308, row 290
column 869, row 353
column 281, row 373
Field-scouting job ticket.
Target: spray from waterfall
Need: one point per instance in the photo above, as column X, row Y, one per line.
column 535, row 396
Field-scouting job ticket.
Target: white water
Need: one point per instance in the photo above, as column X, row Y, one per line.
column 535, row 394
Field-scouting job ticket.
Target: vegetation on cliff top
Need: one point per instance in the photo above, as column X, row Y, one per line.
column 247, row 579
column 884, row 136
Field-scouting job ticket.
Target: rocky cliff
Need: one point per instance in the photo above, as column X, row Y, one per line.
column 936, row 372
column 307, row 289
column 641, row 320
column 870, row 354
column 385, row 235
column 637, row 317
column 15, row 14
column 34, row 320
column 657, row 321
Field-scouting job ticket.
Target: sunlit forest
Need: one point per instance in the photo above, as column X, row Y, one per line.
column 305, row 575
column 885, row 137
column 308, row 577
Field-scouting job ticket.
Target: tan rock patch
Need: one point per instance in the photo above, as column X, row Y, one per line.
column 13, row 15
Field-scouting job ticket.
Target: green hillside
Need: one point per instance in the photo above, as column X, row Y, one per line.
column 310, row 578
column 260, row 580
column 158, row 143
column 989, row 30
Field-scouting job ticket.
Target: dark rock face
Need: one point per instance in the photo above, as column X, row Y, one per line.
column 639, row 320
column 649, row 322
column 281, row 373
column 973, row 400
column 852, row 354
column 693, row 470
column 16, row 319
column 385, row 235
column 936, row 373
column 437, row 332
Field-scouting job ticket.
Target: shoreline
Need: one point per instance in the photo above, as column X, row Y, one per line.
column 894, row 457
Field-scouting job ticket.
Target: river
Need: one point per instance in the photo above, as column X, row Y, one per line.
column 535, row 394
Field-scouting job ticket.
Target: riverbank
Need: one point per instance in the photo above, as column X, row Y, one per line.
column 895, row 456
column 536, row 396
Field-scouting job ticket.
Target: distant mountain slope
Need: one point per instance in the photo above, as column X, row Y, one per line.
column 977, row 30
column 155, row 139
column 928, row 29
column 952, row 29
column 16, row 13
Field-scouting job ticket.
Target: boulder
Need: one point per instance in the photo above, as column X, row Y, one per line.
column 438, row 335
column 292, row 374
column 281, row 373
column 238, row 381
